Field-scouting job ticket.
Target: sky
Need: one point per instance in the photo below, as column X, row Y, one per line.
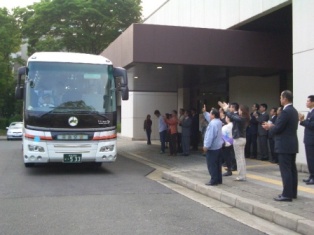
column 148, row 5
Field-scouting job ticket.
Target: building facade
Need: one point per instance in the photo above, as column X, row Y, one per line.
column 194, row 52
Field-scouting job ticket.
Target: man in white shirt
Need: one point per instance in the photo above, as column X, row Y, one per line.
column 162, row 128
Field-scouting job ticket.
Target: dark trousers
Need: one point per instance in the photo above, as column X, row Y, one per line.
column 263, row 146
column 309, row 151
column 173, row 143
column 179, row 137
column 251, row 141
column 228, row 156
column 148, row 134
column 289, row 174
column 185, row 144
column 195, row 140
column 162, row 136
column 213, row 160
column 274, row 156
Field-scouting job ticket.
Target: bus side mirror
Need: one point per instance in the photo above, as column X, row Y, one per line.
column 19, row 92
column 19, row 89
column 121, row 80
column 125, row 93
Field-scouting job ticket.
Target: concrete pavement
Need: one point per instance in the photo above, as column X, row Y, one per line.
column 254, row 196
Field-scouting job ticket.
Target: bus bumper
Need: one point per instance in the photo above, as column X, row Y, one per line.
column 69, row 151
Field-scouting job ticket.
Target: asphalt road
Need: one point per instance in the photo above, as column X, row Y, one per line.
column 117, row 198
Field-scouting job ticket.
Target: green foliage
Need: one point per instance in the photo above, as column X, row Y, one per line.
column 56, row 25
column 3, row 123
column 3, row 132
column 87, row 26
column 16, row 118
column 10, row 38
column 10, row 41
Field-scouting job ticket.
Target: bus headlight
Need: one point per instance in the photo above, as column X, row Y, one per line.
column 35, row 148
column 107, row 148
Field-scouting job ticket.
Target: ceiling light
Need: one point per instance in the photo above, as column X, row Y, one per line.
column 159, row 67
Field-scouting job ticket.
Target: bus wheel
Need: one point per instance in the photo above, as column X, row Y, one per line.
column 98, row 164
column 29, row 164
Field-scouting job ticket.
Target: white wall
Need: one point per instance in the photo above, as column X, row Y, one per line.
column 127, row 110
column 303, row 57
column 135, row 110
column 219, row 14
column 249, row 90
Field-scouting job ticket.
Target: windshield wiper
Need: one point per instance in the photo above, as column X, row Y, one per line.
column 89, row 112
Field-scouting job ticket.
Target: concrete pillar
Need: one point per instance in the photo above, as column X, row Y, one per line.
column 303, row 57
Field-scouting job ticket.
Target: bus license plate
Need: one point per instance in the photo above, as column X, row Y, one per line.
column 72, row 137
column 72, row 158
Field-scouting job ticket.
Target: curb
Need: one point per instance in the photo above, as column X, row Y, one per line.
column 287, row 220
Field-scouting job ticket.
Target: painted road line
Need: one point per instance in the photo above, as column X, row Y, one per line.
column 277, row 182
column 260, row 165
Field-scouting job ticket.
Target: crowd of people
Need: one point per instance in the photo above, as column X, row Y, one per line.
column 253, row 132
column 231, row 133
column 180, row 131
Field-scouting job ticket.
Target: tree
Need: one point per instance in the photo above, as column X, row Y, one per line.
column 87, row 26
column 10, row 41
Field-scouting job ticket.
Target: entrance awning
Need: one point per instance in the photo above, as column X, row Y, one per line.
column 159, row 44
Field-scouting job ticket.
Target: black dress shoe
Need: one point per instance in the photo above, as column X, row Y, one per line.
column 310, row 182
column 306, row 180
column 282, row 199
column 294, row 197
column 228, row 173
column 211, row 184
column 233, row 168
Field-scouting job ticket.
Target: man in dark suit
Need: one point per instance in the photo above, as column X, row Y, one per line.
column 286, row 145
column 271, row 141
column 195, row 133
column 262, row 117
column 308, row 124
column 251, row 134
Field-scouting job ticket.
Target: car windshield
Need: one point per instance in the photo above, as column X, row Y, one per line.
column 16, row 125
column 70, row 87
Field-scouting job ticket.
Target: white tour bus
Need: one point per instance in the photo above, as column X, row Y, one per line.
column 70, row 108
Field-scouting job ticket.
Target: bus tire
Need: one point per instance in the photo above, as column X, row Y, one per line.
column 29, row 164
column 98, row 164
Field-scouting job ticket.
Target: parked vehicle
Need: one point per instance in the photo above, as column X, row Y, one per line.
column 15, row 131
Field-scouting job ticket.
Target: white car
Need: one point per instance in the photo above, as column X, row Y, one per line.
column 15, row 131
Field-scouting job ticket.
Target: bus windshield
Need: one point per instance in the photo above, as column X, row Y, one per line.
column 70, row 87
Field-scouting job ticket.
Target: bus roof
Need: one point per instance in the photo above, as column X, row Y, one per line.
column 69, row 57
